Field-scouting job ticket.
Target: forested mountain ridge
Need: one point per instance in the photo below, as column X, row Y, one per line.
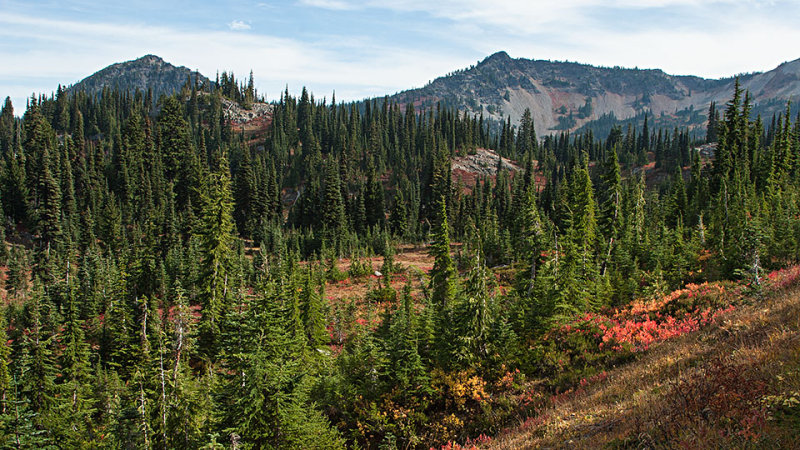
column 148, row 73
column 562, row 96
column 567, row 95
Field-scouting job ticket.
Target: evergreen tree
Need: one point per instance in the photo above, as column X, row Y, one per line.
column 15, row 188
column 611, row 212
column 332, row 214
column 443, row 274
column 526, row 140
column 156, row 298
column 312, row 313
column 531, row 237
column 175, row 148
column 37, row 369
column 398, row 218
column 266, row 399
column 404, row 363
column 217, row 233
column 186, row 408
column 77, row 410
column 6, row 386
column 711, row 127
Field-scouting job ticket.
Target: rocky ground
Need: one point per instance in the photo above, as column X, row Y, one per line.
column 256, row 118
column 484, row 163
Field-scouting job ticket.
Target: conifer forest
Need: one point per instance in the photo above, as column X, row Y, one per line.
column 173, row 281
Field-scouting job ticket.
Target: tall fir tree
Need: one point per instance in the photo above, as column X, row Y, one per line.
column 443, row 274
column 216, row 238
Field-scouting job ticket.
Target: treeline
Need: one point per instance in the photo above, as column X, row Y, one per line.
column 165, row 276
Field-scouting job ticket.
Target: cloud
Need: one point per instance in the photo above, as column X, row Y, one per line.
column 335, row 5
column 238, row 25
column 527, row 17
column 711, row 38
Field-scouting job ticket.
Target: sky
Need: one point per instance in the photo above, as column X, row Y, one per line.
column 365, row 48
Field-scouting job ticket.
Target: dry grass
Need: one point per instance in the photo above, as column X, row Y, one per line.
column 708, row 389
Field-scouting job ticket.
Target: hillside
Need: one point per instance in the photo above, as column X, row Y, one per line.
column 147, row 72
column 566, row 95
column 734, row 384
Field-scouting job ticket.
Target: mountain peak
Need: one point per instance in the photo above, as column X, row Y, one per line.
column 498, row 57
column 150, row 58
column 147, row 72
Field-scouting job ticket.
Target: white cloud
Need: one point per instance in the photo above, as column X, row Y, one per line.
column 680, row 36
column 714, row 42
column 238, row 25
column 336, row 5
column 711, row 38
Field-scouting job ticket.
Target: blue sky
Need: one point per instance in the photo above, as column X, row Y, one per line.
column 362, row 48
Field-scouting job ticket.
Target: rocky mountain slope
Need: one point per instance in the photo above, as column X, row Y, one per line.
column 566, row 96
column 147, row 72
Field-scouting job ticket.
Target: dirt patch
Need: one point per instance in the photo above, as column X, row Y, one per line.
column 412, row 262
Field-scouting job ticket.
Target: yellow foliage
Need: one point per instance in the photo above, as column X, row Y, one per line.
column 462, row 386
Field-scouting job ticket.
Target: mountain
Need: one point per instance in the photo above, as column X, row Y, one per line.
column 147, row 72
column 561, row 95
column 567, row 96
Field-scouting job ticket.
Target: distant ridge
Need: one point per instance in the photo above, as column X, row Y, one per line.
column 565, row 96
column 147, row 72
column 562, row 96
